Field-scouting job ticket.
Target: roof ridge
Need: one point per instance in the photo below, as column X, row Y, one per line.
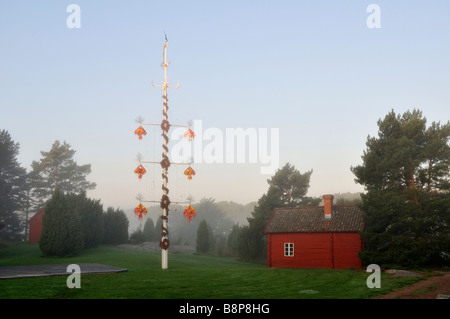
column 300, row 207
column 347, row 205
column 297, row 207
column 310, row 218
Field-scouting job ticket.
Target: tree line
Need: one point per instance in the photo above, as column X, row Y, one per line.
column 406, row 203
column 207, row 232
column 27, row 192
column 73, row 222
column 205, row 240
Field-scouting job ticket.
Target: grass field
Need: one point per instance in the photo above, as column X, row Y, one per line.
column 190, row 276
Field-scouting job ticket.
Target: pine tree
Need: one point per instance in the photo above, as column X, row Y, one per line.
column 57, row 169
column 288, row 187
column 203, row 237
column 12, row 181
column 233, row 239
column 405, row 172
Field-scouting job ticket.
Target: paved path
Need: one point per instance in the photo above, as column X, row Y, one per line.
column 53, row 270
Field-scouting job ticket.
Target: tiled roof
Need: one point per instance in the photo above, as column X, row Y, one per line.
column 311, row 219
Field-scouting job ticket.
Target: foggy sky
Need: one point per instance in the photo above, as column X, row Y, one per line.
column 313, row 70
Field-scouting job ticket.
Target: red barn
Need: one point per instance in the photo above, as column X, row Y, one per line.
column 36, row 227
column 315, row 237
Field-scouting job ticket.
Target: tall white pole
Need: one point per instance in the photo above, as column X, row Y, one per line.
column 165, row 163
column 165, row 239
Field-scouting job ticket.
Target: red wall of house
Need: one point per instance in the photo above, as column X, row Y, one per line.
column 346, row 247
column 36, row 227
column 315, row 250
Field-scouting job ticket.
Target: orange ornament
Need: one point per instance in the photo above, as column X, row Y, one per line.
column 189, row 213
column 189, row 135
column 140, row 170
column 140, row 131
column 189, row 172
column 139, row 210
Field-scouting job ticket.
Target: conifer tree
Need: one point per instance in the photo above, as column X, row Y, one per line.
column 287, row 187
column 90, row 212
column 12, row 181
column 149, row 230
column 203, row 237
column 115, row 226
column 405, row 171
column 58, row 169
column 62, row 234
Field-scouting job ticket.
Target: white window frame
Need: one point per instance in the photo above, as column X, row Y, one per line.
column 288, row 249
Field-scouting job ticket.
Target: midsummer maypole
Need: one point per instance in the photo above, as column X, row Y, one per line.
column 165, row 163
column 189, row 212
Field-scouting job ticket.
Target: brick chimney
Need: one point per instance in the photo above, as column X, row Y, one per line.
column 328, row 206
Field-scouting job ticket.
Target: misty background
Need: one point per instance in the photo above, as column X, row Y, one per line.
column 220, row 216
column 313, row 70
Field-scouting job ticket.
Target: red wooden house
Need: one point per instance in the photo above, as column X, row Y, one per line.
column 315, row 237
column 35, row 227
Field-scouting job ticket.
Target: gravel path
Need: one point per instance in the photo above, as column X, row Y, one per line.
column 429, row 288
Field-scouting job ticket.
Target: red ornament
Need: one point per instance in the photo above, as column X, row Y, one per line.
column 189, row 135
column 139, row 210
column 140, row 131
column 189, row 213
column 140, row 170
column 189, row 172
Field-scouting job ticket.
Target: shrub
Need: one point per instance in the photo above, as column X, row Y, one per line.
column 115, row 227
column 203, row 237
column 150, row 233
column 91, row 218
column 137, row 237
column 61, row 227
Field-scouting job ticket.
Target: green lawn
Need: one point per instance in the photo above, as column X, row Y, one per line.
column 188, row 277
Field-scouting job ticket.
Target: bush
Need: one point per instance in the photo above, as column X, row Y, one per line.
column 203, row 237
column 233, row 240
column 61, row 227
column 220, row 245
column 91, row 218
column 115, row 227
column 137, row 237
column 150, row 232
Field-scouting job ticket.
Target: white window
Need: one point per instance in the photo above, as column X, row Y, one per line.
column 288, row 249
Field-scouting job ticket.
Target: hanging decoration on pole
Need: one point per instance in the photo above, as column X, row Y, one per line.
column 189, row 135
column 140, row 171
column 189, row 172
column 189, row 213
column 140, row 131
column 140, row 210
